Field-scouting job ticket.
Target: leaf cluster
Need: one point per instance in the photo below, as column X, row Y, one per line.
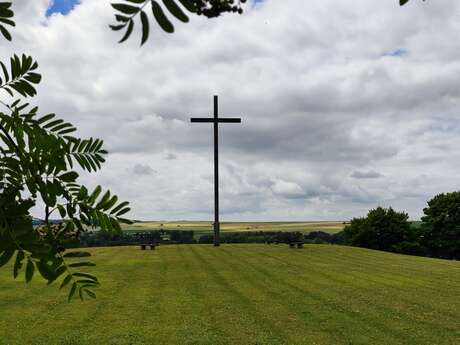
column 39, row 158
column 22, row 76
column 6, row 15
column 128, row 11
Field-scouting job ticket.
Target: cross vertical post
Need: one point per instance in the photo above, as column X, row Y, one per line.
column 216, row 173
column 215, row 121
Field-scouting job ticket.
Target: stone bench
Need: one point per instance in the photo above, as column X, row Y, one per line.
column 151, row 245
column 294, row 244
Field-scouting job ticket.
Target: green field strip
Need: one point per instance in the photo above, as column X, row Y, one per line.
column 351, row 318
column 302, row 302
column 252, row 281
column 382, row 303
column 343, row 279
column 242, row 294
column 271, row 333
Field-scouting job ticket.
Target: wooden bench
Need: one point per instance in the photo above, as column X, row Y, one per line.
column 151, row 245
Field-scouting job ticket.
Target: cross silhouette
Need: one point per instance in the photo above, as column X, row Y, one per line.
column 216, row 120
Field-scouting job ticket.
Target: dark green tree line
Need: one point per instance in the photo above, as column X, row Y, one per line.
column 440, row 230
column 437, row 236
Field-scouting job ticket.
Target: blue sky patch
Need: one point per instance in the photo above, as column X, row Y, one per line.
column 61, row 6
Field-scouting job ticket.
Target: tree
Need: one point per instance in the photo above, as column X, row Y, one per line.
column 440, row 230
column 37, row 157
column 381, row 229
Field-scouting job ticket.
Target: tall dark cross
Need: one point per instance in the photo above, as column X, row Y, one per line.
column 215, row 120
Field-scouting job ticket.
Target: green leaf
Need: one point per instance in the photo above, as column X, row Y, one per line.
column 161, row 18
column 7, row 21
column 189, row 5
column 62, row 211
column 128, row 32
column 90, row 293
column 175, row 10
column 88, row 282
column 70, row 176
column 120, row 18
column 53, row 123
column 86, row 275
column 34, row 78
column 5, row 72
column 45, row 270
column 82, row 264
column 30, row 269
column 6, row 256
column 103, row 200
column 109, row 204
column 45, row 118
column 145, row 27
column 72, row 291
column 124, row 220
column 18, row 263
column 123, row 211
column 119, row 207
column 125, row 8
column 59, row 271
column 117, row 27
column 5, row 12
column 5, row 33
column 66, row 281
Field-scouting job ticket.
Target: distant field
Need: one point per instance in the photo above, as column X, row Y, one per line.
column 242, row 295
column 206, row 227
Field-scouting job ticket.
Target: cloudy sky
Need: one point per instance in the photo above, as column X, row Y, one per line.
column 346, row 105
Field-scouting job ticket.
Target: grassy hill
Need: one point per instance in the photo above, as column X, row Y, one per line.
column 202, row 228
column 243, row 294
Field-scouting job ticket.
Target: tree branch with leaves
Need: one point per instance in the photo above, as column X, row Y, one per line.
column 127, row 12
column 38, row 155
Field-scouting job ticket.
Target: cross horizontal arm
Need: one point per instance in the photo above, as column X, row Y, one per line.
column 210, row 119
column 201, row 119
column 229, row 120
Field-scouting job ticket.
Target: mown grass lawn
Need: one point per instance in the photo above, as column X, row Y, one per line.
column 243, row 294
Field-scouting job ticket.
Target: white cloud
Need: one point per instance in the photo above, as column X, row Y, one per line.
column 366, row 174
column 143, row 169
column 321, row 102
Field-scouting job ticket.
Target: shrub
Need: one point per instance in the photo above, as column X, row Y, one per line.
column 381, row 229
column 440, row 230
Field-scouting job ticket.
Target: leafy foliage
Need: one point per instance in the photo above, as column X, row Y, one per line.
column 6, row 15
column 440, row 230
column 437, row 236
column 22, row 76
column 37, row 157
column 129, row 10
column 381, row 229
